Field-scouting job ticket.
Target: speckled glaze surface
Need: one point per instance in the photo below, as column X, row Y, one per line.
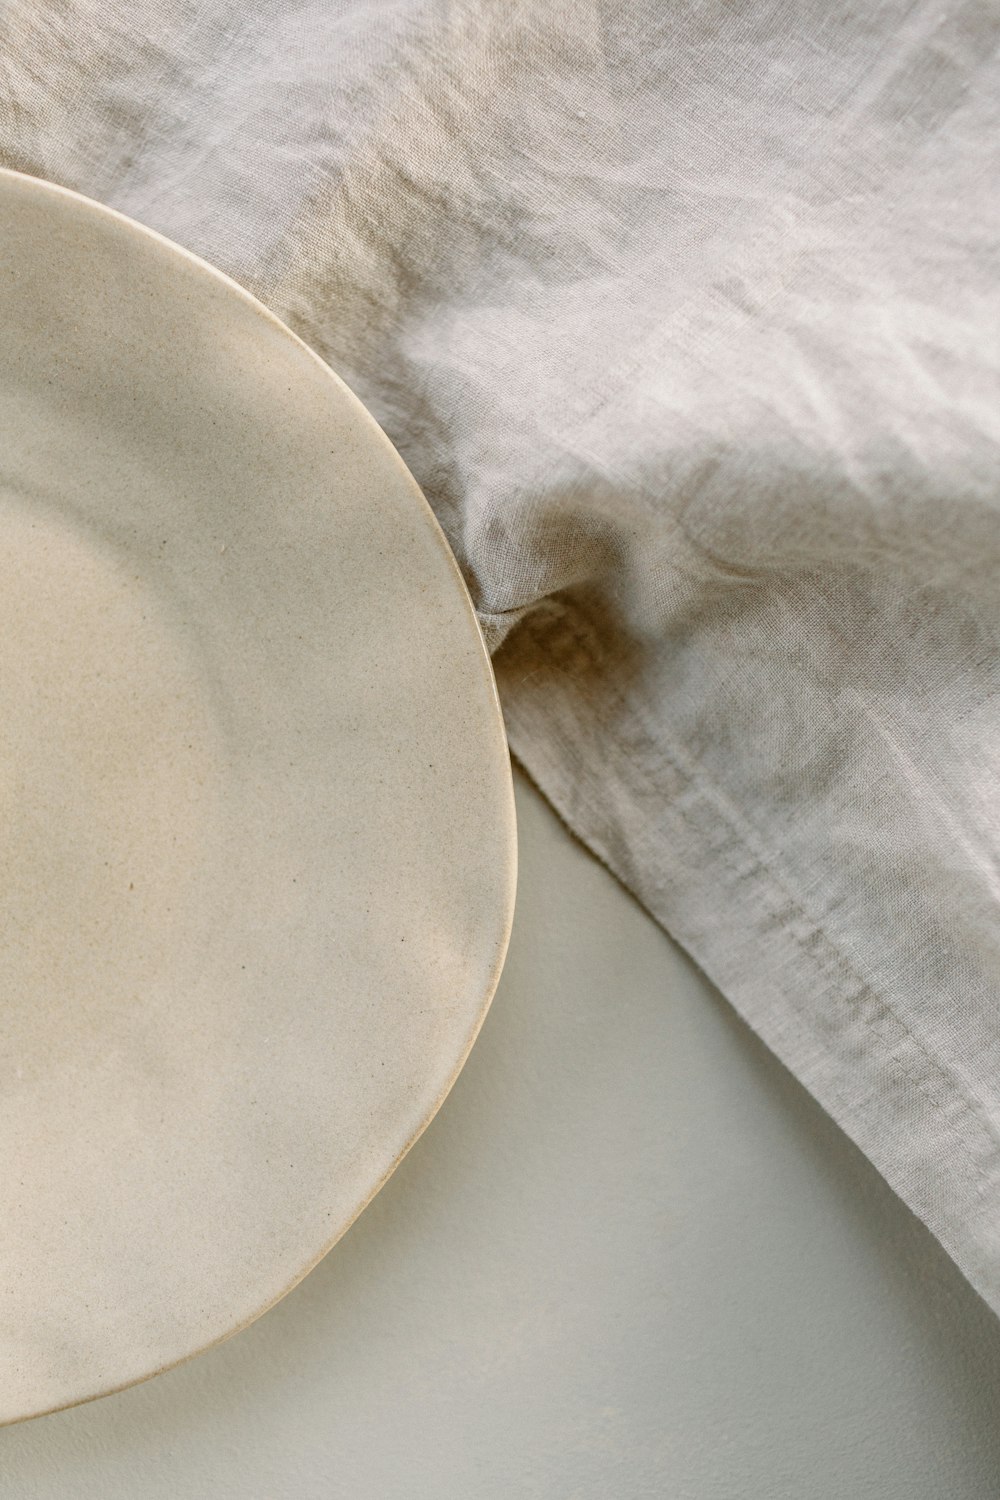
column 255, row 806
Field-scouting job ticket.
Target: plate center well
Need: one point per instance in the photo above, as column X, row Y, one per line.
column 106, row 782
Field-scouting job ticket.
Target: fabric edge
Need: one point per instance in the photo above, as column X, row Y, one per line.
column 942, row 1169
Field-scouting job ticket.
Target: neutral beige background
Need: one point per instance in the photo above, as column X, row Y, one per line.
column 630, row 1258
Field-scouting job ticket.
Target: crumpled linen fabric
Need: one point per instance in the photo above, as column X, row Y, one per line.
column 686, row 318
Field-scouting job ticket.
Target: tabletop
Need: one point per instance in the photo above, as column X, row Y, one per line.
column 630, row 1257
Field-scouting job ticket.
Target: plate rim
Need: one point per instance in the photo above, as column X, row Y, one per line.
column 28, row 183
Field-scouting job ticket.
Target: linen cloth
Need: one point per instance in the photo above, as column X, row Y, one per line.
column 686, row 320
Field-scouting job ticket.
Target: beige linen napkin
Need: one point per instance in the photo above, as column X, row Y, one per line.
column 686, row 319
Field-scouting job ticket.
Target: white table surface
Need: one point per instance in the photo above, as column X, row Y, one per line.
column 629, row 1258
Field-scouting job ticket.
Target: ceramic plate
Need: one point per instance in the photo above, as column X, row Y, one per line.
column 255, row 805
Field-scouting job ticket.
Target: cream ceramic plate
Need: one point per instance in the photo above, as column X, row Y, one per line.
column 255, row 806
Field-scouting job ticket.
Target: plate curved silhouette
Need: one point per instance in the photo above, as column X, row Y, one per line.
column 256, row 817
